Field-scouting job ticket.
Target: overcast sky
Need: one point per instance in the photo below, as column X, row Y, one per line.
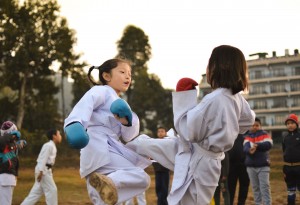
column 183, row 33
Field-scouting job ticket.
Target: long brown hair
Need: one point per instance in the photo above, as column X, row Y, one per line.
column 227, row 68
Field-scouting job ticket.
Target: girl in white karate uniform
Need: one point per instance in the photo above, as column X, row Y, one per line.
column 206, row 129
column 116, row 172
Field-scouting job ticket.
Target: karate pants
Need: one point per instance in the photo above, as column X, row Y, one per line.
column 130, row 180
column 6, row 193
column 164, row 151
column 45, row 187
column 141, row 200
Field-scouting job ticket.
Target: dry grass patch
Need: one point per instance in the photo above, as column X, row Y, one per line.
column 72, row 189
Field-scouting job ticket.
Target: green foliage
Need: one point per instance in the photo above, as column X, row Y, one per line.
column 146, row 96
column 81, row 85
column 33, row 37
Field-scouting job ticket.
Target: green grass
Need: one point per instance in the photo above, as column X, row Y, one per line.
column 72, row 189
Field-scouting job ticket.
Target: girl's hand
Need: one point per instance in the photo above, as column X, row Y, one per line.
column 121, row 108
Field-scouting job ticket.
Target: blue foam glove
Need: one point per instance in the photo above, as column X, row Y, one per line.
column 121, row 108
column 16, row 133
column 76, row 135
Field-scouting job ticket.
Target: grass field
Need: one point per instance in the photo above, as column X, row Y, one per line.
column 72, row 189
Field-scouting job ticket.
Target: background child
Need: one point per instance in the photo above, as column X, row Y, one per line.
column 10, row 143
column 222, row 188
column 291, row 157
column 44, row 183
column 114, row 173
column 238, row 172
column 257, row 144
column 162, row 175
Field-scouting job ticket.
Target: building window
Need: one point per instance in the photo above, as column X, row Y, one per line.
column 279, row 119
column 295, row 86
column 277, row 87
column 296, row 102
column 257, row 89
column 277, row 72
column 258, row 74
column 260, row 104
column 263, row 120
column 297, row 70
column 279, row 102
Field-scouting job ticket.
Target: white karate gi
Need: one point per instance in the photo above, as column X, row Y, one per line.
column 141, row 200
column 206, row 131
column 47, row 185
column 105, row 153
column 7, row 185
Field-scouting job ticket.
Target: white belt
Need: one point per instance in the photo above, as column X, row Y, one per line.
column 214, row 155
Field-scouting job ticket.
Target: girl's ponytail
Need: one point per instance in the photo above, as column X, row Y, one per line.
column 90, row 77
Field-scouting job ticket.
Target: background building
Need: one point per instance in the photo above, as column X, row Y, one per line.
column 274, row 89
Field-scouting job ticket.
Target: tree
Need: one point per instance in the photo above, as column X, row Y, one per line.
column 146, row 96
column 80, row 86
column 32, row 37
column 134, row 46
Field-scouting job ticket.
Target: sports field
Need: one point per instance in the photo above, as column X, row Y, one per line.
column 72, row 189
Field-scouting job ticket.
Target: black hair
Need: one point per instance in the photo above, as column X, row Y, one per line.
column 257, row 120
column 227, row 69
column 51, row 132
column 106, row 67
column 161, row 127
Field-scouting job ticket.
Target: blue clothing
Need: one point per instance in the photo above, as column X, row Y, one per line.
column 260, row 157
column 9, row 162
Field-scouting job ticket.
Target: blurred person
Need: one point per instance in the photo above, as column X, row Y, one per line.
column 162, row 174
column 238, row 172
column 257, row 144
column 291, row 157
column 10, row 143
column 222, row 187
column 44, row 182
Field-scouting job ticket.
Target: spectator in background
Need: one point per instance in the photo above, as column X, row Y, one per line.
column 223, row 182
column 44, row 183
column 291, row 157
column 162, row 175
column 238, row 172
column 257, row 144
column 10, row 143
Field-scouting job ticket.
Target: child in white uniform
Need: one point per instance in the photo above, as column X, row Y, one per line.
column 206, row 129
column 113, row 172
column 44, row 182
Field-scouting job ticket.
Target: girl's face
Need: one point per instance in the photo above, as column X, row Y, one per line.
column 119, row 78
column 291, row 126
